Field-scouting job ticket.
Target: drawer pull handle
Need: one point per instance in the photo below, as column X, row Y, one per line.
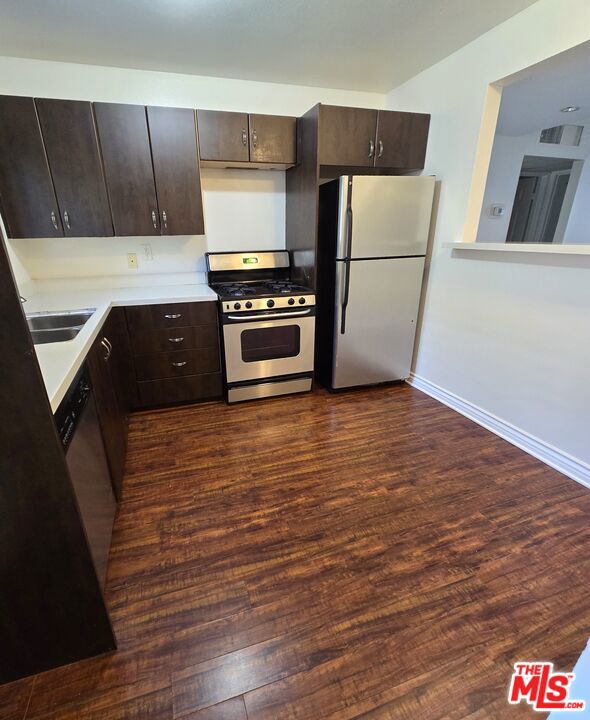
column 179, row 364
column 175, row 340
column 173, row 316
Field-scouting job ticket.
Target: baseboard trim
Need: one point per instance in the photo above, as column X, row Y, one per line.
column 567, row 464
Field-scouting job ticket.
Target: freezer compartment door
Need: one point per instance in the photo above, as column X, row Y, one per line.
column 380, row 326
column 389, row 216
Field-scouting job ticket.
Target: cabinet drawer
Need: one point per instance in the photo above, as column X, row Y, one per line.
column 178, row 390
column 182, row 338
column 173, row 364
column 142, row 318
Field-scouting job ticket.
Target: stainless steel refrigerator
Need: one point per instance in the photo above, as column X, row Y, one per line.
column 373, row 234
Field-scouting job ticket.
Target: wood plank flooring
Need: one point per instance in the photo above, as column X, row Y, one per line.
column 364, row 555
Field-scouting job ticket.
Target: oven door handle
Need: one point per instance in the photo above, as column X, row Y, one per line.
column 265, row 316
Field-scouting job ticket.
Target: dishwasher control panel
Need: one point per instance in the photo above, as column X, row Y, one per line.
column 70, row 409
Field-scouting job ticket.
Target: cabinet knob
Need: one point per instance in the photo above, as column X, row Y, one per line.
column 176, row 339
column 54, row 220
column 254, row 138
column 165, row 220
column 173, row 316
column 154, row 220
column 179, row 364
column 244, row 137
column 371, row 148
column 381, row 148
column 67, row 219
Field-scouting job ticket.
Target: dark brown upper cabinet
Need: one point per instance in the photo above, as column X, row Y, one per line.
column 72, row 150
column 176, row 170
column 334, row 141
column 351, row 138
column 223, row 136
column 401, row 139
column 273, row 139
column 347, row 136
column 241, row 140
column 125, row 144
column 27, row 198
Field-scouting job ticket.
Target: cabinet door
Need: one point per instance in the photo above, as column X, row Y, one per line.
column 27, row 199
column 223, row 135
column 109, row 363
column 125, row 145
column 72, row 149
column 176, row 169
column 273, row 139
column 401, row 139
column 347, row 136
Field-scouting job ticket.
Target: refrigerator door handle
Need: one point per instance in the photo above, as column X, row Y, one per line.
column 345, row 296
column 346, row 293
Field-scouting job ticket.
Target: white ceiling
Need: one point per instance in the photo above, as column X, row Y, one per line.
column 354, row 44
column 532, row 100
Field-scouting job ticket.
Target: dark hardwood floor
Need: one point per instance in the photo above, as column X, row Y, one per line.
column 364, row 555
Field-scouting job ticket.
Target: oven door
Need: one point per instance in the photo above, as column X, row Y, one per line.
column 268, row 345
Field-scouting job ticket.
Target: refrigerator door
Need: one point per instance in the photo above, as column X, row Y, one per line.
column 382, row 216
column 380, row 320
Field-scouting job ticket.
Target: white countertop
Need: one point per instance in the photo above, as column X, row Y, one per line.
column 60, row 362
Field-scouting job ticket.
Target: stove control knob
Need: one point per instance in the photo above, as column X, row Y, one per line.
column 248, row 304
column 237, row 306
column 291, row 301
column 302, row 301
column 270, row 303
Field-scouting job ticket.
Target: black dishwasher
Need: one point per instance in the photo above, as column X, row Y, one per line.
column 79, row 431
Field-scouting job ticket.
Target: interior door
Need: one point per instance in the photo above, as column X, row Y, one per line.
column 27, row 198
column 524, row 202
column 401, row 139
column 223, row 136
column 273, row 139
column 176, row 170
column 72, row 149
column 347, row 136
column 390, row 216
column 125, row 145
column 380, row 320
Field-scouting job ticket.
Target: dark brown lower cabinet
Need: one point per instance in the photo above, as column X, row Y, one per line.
column 111, row 372
column 180, row 390
column 176, row 353
column 179, row 363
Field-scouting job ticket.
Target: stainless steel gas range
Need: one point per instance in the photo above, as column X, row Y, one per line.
column 268, row 324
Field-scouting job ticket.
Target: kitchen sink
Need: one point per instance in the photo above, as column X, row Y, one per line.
column 50, row 327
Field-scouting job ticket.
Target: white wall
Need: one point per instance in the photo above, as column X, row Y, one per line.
column 244, row 209
column 505, row 165
column 508, row 333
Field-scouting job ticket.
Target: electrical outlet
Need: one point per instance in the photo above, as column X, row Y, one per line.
column 132, row 261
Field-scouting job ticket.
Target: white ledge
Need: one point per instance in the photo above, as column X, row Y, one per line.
column 520, row 248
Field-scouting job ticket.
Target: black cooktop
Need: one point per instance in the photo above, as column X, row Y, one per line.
column 265, row 288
